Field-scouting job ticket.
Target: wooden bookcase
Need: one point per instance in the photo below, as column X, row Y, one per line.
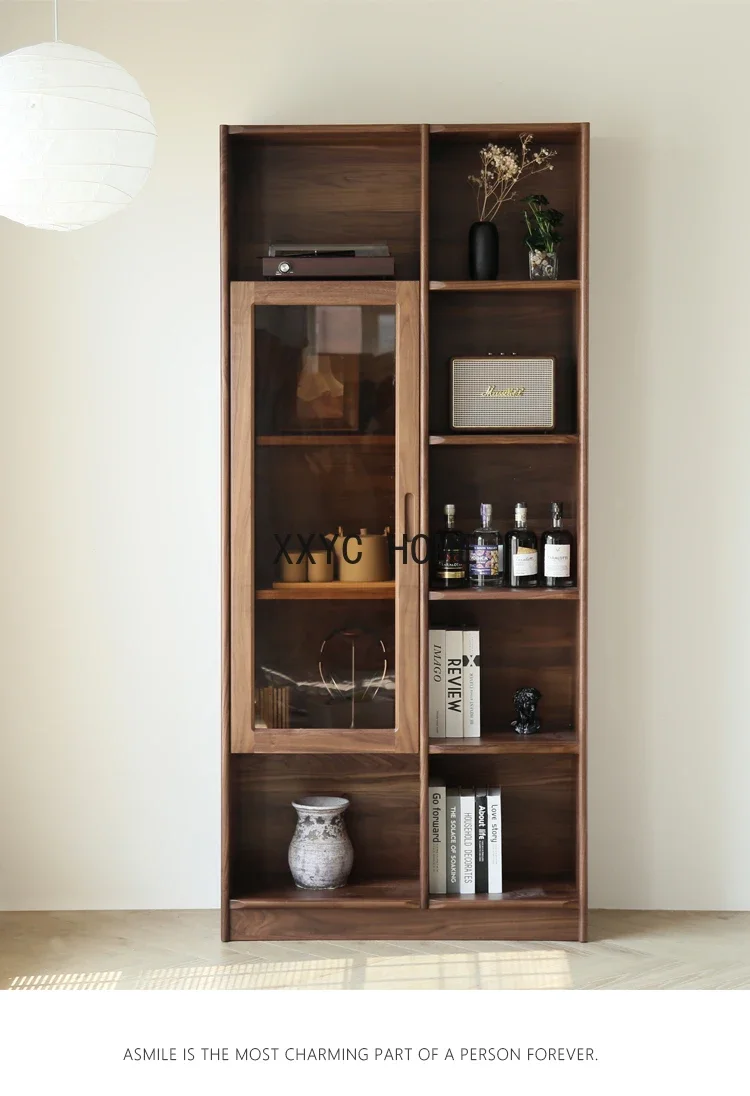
column 407, row 186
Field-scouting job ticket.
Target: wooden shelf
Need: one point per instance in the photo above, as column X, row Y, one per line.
column 328, row 591
column 507, row 593
column 503, row 439
column 309, row 740
column 500, row 132
column 508, row 742
column 361, row 441
column 540, row 285
column 521, row 896
column 375, row 894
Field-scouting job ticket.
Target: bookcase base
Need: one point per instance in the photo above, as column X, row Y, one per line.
column 418, row 924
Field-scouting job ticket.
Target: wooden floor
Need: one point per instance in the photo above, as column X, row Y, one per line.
column 182, row 950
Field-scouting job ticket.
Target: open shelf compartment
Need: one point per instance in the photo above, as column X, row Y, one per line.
column 539, row 829
column 382, row 821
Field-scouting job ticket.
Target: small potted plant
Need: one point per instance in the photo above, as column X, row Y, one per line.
column 542, row 236
column 500, row 173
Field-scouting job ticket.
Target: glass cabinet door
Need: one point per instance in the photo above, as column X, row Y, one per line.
column 325, row 460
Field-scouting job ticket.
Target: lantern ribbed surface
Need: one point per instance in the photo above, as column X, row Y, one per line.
column 77, row 138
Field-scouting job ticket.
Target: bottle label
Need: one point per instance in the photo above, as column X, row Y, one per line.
column 557, row 561
column 525, row 562
column 485, row 559
column 451, row 566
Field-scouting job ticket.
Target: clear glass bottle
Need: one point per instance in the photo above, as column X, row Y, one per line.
column 449, row 555
column 485, row 552
column 521, row 557
column 557, row 552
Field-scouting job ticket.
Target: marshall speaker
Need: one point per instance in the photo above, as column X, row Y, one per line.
column 503, row 393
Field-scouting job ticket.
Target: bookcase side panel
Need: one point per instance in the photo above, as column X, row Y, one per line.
column 583, row 418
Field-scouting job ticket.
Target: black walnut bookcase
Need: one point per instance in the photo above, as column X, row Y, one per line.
column 406, row 185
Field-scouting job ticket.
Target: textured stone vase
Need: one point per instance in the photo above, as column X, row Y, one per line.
column 321, row 854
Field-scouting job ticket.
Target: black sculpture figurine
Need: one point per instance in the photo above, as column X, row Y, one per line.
column 525, row 701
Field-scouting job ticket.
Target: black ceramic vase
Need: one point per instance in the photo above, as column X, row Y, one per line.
column 483, row 251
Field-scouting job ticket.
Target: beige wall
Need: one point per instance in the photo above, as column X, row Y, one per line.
column 109, row 554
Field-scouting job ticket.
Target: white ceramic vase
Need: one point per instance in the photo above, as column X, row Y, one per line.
column 320, row 854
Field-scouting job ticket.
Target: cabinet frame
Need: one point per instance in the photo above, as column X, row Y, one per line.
column 425, row 161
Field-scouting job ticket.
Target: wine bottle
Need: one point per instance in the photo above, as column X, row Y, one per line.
column 557, row 552
column 521, row 558
column 485, row 552
column 449, row 556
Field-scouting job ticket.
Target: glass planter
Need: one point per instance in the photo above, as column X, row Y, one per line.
column 542, row 264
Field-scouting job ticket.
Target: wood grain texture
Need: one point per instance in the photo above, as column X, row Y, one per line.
column 374, row 894
column 524, row 323
column 305, row 441
column 517, row 895
column 424, row 608
column 508, row 742
column 224, row 167
column 326, row 293
column 485, row 440
column 538, row 808
column 536, row 474
column 453, row 208
column 382, row 820
column 522, row 643
column 328, row 591
column 326, row 741
column 289, row 634
column 583, row 418
column 507, row 593
column 544, row 922
column 408, row 447
column 346, row 134
column 557, row 285
column 241, row 509
column 480, row 133
column 328, row 186
column 405, row 185
column 312, row 492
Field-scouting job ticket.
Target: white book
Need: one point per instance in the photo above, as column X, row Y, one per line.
column 471, row 684
column 494, row 842
column 437, row 683
column 468, row 851
column 453, row 828
column 438, row 856
column 454, row 683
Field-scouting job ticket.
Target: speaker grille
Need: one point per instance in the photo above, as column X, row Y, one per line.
column 531, row 408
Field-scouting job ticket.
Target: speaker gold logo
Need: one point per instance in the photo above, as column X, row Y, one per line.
column 492, row 391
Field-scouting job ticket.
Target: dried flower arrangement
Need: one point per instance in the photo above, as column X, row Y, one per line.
column 502, row 170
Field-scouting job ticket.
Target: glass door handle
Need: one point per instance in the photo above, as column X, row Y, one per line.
column 408, row 515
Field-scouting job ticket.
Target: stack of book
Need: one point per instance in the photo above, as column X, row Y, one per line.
column 466, row 840
column 454, row 683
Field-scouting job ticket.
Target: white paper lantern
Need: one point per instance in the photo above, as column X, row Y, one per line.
column 77, row 138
